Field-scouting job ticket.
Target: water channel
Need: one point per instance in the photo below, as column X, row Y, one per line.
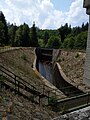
column 45, row 67
column 46, row 70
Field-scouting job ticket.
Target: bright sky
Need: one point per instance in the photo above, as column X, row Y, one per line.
column 49, row 14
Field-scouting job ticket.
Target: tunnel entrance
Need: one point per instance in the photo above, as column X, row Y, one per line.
column 52, row 74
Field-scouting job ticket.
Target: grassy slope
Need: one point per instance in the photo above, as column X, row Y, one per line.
column 20, row 62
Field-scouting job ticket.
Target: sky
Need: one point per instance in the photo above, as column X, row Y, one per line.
column 47, row 14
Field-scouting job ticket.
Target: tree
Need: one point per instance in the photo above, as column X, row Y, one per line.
column 46, row 37
column 84, row 27
column 5, row 29
column 81, row 40
column 53, row 42
column 22, row 36
column 25, row 36
column 11, row 32
column 64, row 31
column 41, row 43
column 2, row 33
column 71, row 42
column 34, row 39
column 18, row 36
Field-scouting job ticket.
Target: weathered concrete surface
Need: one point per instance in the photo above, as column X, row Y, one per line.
column 46, row 75
column 61, row 81
column 87, row 6
column 82, row 114
column 87, row 62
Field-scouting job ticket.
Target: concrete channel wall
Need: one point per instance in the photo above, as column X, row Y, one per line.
column 63, row 83
column 49, row 85
column 76, row 99
column 54, row 74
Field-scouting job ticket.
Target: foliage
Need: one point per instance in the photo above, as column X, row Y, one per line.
column 34, row 39
column 11, row 33
column 52, row 100
column 76, row 42
column 24, row 57
column 2, row 33
column 22, row 36
column 46, row 37
column 4, row 30
column 66, row 37
column 64, row 31
column 41, row 43
column 81, row 40
column 54, row 42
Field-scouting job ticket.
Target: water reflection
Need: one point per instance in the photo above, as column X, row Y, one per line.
column 45, row 69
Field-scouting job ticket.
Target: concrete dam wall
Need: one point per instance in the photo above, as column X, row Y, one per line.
column 52, row 71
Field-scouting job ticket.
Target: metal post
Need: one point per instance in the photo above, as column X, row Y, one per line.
column 88, row 98
column 48, row 97
column 15, row 85
column 39, row 101
column 18, row 86
column 43, row 89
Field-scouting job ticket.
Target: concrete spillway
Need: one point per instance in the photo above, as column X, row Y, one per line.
column 52, row 74
column 46, row 70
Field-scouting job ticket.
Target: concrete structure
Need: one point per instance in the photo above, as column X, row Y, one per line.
column 86, row 78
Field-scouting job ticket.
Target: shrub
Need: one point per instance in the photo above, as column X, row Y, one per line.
column 24, row 57
column 52, row 100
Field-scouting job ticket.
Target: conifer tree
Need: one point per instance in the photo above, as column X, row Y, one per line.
column 5, row 29
column 34, row 39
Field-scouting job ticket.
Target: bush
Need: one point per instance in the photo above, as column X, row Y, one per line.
column 52, row 100
column 24, row 57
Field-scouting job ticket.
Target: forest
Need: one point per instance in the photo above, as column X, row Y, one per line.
column 65, row 37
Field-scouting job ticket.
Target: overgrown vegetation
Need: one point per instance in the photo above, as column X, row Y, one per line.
column 52, row 100
column 24, row 57
column 65, row 37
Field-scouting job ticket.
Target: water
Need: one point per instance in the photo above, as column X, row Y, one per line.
column 45, row 69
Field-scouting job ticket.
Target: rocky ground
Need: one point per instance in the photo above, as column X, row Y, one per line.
column 14, row 107
column 72, row 63
column 82, row 114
